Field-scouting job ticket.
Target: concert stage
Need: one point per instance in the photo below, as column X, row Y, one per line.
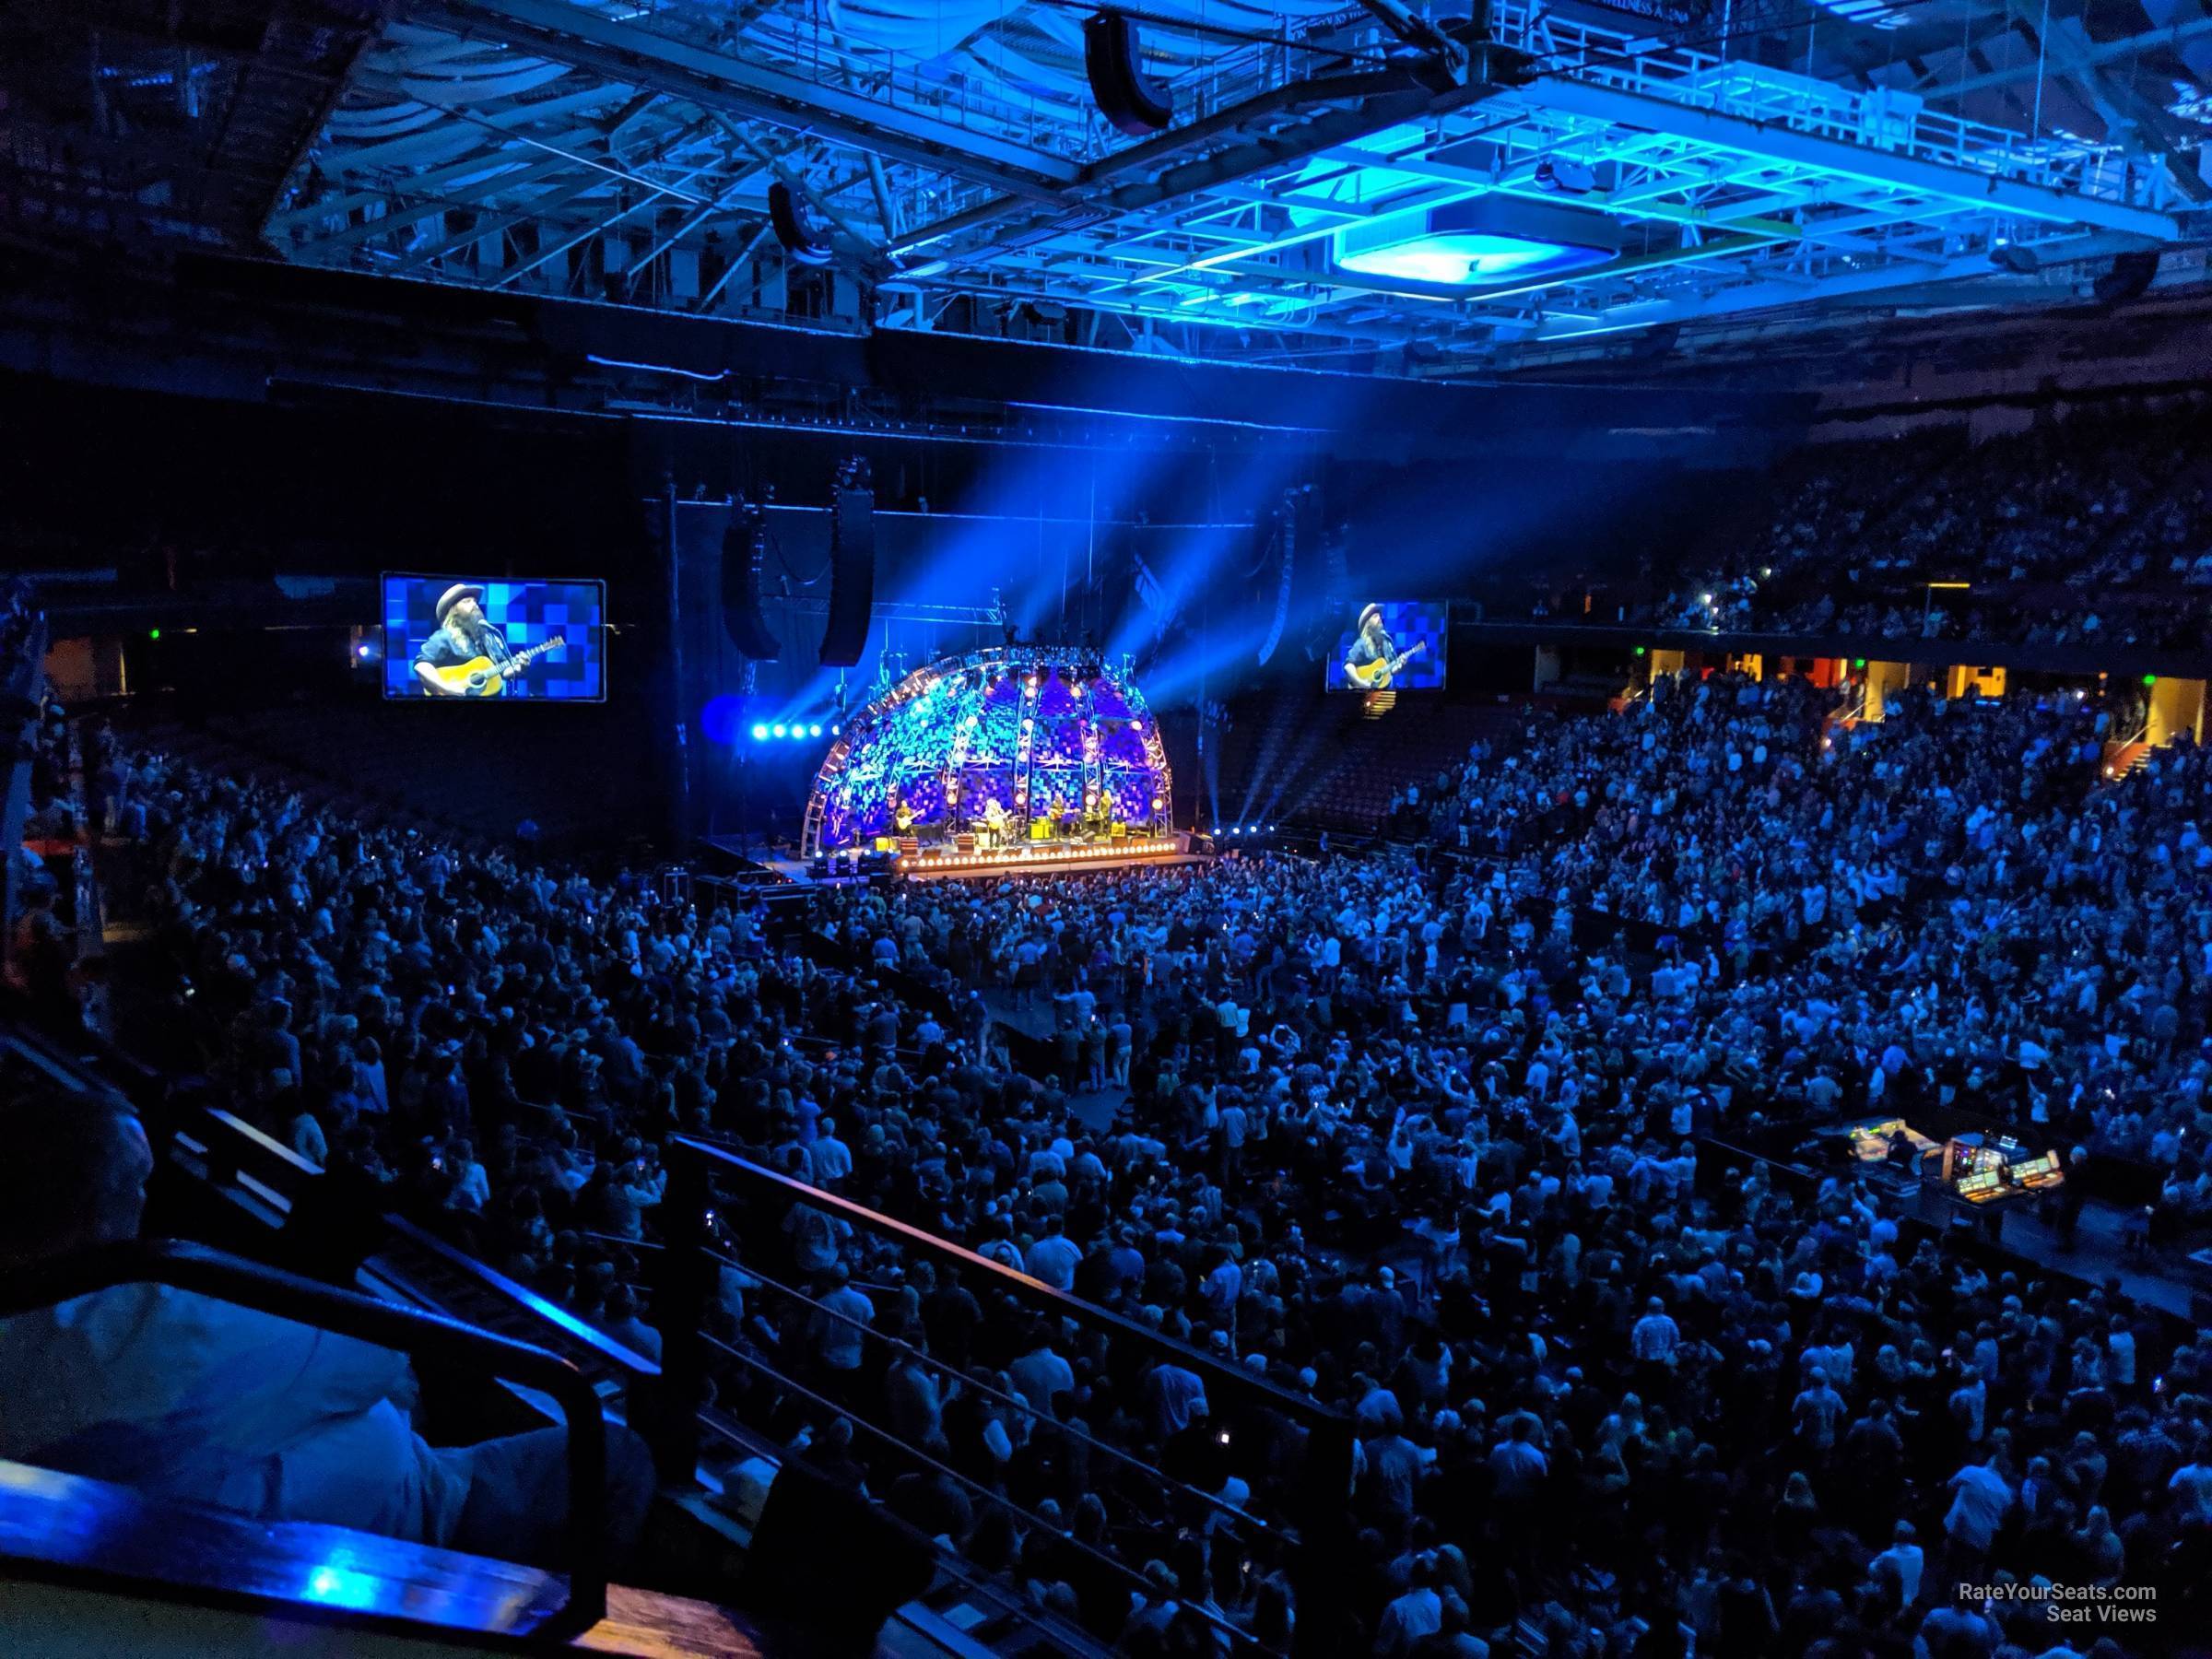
column 1012, row 759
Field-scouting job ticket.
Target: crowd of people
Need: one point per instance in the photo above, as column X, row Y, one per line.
column 2094, row 529
column 1414, row 1134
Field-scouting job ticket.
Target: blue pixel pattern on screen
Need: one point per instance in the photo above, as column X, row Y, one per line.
column 526, row 614
column 1419, row 630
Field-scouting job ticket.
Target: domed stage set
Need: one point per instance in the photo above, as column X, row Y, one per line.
column 1006, row 761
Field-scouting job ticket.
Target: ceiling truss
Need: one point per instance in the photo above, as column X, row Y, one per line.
column 626, row 149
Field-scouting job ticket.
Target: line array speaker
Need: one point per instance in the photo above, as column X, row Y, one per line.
column 852, row 566
column 744, row 546
column 2129, row 277
column 790, row 226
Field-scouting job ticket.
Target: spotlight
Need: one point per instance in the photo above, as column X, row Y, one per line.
column 759, row 733
column 814, row 730
column 834, row 730
column 1565, row 177
column 782, row 731
column 362, row 652
column 1129, row 103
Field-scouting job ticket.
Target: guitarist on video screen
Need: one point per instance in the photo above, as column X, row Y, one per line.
column 463, row 636
column 1374, row 658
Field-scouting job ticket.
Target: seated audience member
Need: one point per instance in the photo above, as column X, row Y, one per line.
column 190, row 1397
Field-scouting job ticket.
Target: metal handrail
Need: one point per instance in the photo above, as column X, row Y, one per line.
column 230, row 1278
column 1234, row 1380
column 823, row 1403
column 1319, row 1487
column 1015, row 1401
column 621, row 1356
column 972, row 1579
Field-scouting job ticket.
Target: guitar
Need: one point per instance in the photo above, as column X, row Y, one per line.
column 479, row 676
column 1376, row 675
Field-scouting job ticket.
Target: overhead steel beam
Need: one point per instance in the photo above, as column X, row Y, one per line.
column 580, row 158
column 1518, row 181
column 1355, row 106
column 554, row 195
column 419, row 206
column 1771, row 295
column 598, row 228
column 2120, row 105
column 732, row 85
column 2018, row 197
column 741, row 260
column 467, row 172
column 2111, row 51
column 405, row 150
column 1417, row 31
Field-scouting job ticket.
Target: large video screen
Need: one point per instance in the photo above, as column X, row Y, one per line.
column 1392, row 646
column 454, row 637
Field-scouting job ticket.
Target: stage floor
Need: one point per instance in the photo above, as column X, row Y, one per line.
column 1028, row 858
column 1045, row 858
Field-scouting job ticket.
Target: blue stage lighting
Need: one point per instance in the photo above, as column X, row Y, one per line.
column 814, row 730
column 835, row 730
column 1466, row 244
column 759, row 733
column 1465, row 259
column 722, row 719
column 782, row 731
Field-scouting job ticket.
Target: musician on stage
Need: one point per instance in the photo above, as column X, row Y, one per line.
column 463, row 635
column 994, row 821
column 1056, row 815
column 1373, row 645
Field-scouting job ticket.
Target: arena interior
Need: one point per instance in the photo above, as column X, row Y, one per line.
column 1380, row 828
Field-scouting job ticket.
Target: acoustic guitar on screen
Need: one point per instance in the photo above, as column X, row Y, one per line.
column 1376, row 675
column 480, row 677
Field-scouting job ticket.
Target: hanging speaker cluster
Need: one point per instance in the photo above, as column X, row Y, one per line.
column 851, row 566
column 744, row 546
column 1130, row 102
column 2129, row 278
column 799, row 243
